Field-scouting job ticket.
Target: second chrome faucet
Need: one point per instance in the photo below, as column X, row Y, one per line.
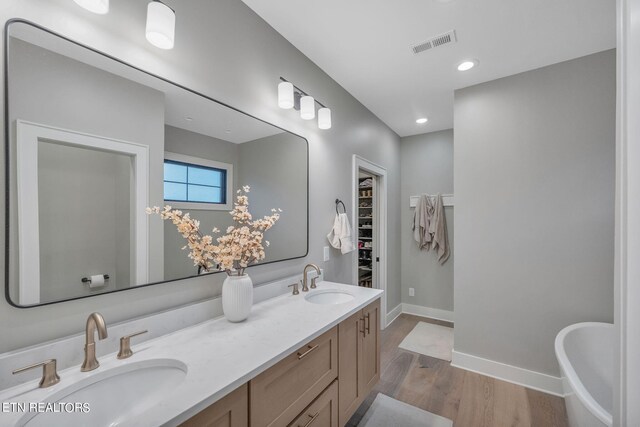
column 94, row 322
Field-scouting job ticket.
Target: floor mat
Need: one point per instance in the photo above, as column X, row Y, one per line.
column 430, row 340
column 388, row 412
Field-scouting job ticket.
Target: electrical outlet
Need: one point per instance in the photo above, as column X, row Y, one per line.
column 326, row 253
column 412, row 292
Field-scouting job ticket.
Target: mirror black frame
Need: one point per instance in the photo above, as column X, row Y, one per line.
column 7, row 153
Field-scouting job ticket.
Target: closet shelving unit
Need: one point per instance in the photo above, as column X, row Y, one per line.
column 366, row 237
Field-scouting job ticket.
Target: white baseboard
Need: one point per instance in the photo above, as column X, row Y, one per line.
column 513, row 374
column 393, row 314
column 524, row 377
column 432, row 313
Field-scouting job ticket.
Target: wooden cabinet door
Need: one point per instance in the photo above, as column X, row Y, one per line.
column 282, row 392
column 349, row 332
column 323, row 412
column 230, row 411
column 369, row 357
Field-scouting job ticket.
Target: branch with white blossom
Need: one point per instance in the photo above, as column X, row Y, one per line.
column 242, row 246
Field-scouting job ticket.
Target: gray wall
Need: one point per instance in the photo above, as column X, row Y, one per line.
column 534, row 215
column 427, row 167
column 275, row 168
column 51, row 89
column 80, row 188
column 125, row 262
column 227, row 52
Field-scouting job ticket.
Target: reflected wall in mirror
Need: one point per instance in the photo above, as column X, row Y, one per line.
column 92, row 142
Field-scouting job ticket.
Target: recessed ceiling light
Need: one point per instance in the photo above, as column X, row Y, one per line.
column 467, row 65
column 189, row 119
column 422, row 120
column 228, row 131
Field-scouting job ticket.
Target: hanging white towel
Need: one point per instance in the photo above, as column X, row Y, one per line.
column 340, row 235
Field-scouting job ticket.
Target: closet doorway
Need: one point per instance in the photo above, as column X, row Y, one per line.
column 370, row 227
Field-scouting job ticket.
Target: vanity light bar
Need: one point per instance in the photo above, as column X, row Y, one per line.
column 291, row 96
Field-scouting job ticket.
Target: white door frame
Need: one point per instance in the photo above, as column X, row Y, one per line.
column 626, row 411
column 28, row 135
column 360, row 163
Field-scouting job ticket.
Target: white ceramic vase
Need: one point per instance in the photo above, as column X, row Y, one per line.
column 237, row 297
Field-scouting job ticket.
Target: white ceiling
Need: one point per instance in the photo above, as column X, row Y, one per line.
column 365, row 45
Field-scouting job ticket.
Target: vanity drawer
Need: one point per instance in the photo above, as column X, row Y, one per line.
column 282, row 392
column 323, row 412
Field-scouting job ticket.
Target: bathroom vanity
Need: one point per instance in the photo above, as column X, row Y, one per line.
column 307, row 359
column 323, row 382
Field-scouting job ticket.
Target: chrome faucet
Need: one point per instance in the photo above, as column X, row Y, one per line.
column 95, row 321
column 305, row 288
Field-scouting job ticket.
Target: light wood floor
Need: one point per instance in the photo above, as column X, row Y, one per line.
column 467, row 398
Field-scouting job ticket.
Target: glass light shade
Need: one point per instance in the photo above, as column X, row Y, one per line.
column 324, row 118
column 100, row 7
column 307, row 108
column 285, row 95
column 161, row 25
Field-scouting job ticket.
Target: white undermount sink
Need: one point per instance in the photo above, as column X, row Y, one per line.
column 113, row 395
column 329, row 296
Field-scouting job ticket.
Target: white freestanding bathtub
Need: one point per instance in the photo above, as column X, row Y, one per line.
column 585, row 355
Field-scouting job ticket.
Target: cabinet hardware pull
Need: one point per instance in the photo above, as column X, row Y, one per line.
column 301, row 355
column 368, row 327
column 313, row 418
column 363, row 331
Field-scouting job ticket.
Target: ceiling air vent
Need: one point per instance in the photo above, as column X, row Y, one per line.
column 437, row 41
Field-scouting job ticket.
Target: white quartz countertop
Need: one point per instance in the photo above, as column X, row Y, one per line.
column 220, row 355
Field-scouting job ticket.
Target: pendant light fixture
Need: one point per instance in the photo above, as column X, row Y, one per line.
column 324, row 118
column 161, row 25
column 307, row 107
column 285, row 95
column 291, row 96
column 100, row 7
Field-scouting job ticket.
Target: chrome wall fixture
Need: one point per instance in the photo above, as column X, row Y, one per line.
column 160, row 28
column 291, row 96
